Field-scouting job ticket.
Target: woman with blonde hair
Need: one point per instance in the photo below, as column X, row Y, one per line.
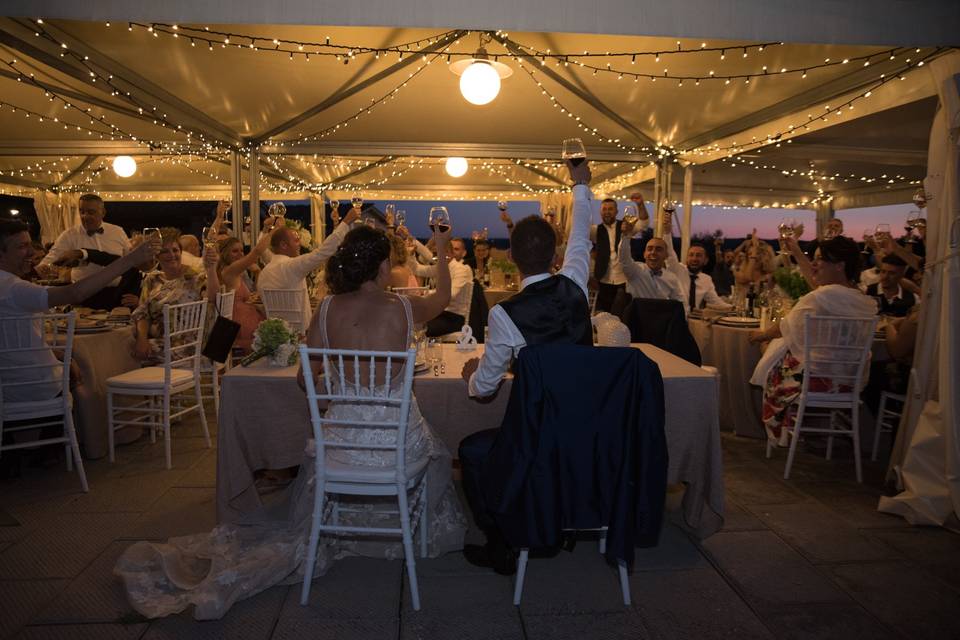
column 230, row 269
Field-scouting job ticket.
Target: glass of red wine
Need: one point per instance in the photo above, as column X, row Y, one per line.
column 439, row 219
column 574, row 151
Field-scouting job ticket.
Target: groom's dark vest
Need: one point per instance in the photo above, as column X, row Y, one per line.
column 553, row 311
column 602, row 261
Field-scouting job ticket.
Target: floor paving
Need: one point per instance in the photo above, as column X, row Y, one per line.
column 808, row 557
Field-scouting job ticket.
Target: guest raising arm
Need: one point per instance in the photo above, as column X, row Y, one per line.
column 649, row 279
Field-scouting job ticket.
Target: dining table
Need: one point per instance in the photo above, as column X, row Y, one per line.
column 264, row 423
column 728, row 349
column 100, row 354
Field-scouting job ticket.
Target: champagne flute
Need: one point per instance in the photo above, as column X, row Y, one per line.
column 574, row 151
column 401, row 218
column 439, row 219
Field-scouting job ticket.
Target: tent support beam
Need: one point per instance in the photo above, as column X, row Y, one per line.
column 82, row 97
column 445, row 150
column 83, row 165
column 587, row 97
column 236, row 187
column 542, row 174
column 253, row 162
column 360, row 86
column 686, row 229
column 356, row 172
column 138, row 85
column 21, row 182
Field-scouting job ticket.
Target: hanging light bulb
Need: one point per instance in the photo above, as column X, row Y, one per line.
column 480, row 77
column 456, row 166
column 480, row 83
column 124, row 166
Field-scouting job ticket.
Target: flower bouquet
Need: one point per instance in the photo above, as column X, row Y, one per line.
column 274, row 339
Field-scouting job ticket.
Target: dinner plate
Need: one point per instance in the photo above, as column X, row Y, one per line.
column 93, row 329
column 739, row 321
column 420, row 366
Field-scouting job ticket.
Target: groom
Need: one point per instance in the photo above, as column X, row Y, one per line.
column 518, row 322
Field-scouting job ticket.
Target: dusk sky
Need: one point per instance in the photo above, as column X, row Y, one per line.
column 735, row 223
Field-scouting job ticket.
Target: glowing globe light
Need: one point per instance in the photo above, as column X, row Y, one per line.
column 456, row 167
column 124, row 166
column 480, row 83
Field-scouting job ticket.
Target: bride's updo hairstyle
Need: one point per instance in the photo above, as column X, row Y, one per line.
column 357, row 260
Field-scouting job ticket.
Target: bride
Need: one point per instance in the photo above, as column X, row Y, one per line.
column 213, row 570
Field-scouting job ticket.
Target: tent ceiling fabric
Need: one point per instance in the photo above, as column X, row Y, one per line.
column 824, row 21
column 411, row 115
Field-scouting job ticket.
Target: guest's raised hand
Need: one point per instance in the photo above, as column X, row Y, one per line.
column 222, row 207
column 626, row 228
column 403, row 232
column 352, row 216
column 579, row 173
column 263, row 243
column 147, row 250
column 505, row 217
column 210, row 256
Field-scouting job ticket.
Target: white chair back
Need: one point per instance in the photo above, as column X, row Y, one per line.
column 287, row 304
column 368, row 376
column 183, row 336
column 225, row 304
column 28, row 367
column 836, row 348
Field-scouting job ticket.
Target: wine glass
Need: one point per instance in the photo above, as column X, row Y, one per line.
column 574, row 151
column 502, row 205
column 920, row 198
column 439, row 219
column 148, row 230
column 277, row 210
column 630, row 215
column 915, row 220
column 357, row 202
column 401, row 217
column 209, row 236
column 882, row 231
column 787, row 229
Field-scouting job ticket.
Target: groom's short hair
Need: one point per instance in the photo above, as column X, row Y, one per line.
column 533, row 244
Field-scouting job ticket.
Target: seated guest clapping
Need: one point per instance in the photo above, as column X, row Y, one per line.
column 173, row 283
column 549, row 309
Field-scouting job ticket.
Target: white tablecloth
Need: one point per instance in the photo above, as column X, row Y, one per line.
column 264, row 424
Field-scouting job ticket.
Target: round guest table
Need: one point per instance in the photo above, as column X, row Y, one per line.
column 729, row 350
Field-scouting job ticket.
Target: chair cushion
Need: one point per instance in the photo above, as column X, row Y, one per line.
column 342, row 472
column 149, row 377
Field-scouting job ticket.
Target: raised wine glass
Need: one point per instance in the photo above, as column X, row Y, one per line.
column 867, row 237
column 401, row 218
column 787, row 229
column 148, row 230
column 630, row 215
column 574, row 151
column 357, row 202
column 439, row 219
column 209, row 236
column 915, row 220
column 502, row 205
column 391, row 213
column 277, row 210
column 882, row 231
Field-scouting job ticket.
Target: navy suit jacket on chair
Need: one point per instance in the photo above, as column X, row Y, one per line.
column 581, row 445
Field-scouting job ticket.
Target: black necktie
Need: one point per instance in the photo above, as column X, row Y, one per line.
column 95, row 231
column 693, row 291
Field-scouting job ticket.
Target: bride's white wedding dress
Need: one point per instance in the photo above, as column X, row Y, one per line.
column 234, row 561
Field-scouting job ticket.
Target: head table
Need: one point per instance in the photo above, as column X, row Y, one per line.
column 264, row 423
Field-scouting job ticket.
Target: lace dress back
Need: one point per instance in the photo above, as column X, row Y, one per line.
column 416, row 444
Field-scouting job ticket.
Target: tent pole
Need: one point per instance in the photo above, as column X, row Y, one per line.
column 824, row 216
column 657, row 201
column 253, row 160
column 686, row 229
column 236, row 188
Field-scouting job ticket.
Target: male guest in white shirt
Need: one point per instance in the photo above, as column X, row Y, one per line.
column 699, row 289
column 606, row 238
column 517, row 322
column 288, row 269
column 649, row 279
column 89, row 247
column 461, row 279
column 190, row 252
column 19, row 297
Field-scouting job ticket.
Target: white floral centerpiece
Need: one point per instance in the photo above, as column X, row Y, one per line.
column 276, row 340
column 306, row 239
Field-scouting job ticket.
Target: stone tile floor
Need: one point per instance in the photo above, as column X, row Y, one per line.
column 805, row 558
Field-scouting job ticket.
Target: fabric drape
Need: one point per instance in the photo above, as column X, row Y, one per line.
column 926, row 456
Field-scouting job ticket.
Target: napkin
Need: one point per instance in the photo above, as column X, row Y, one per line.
column 466, row 341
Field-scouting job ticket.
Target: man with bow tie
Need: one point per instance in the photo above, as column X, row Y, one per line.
column 89, row 247
column 651, row 278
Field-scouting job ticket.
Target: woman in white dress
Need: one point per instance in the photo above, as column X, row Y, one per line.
column 835, row 269
column 235, row 561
